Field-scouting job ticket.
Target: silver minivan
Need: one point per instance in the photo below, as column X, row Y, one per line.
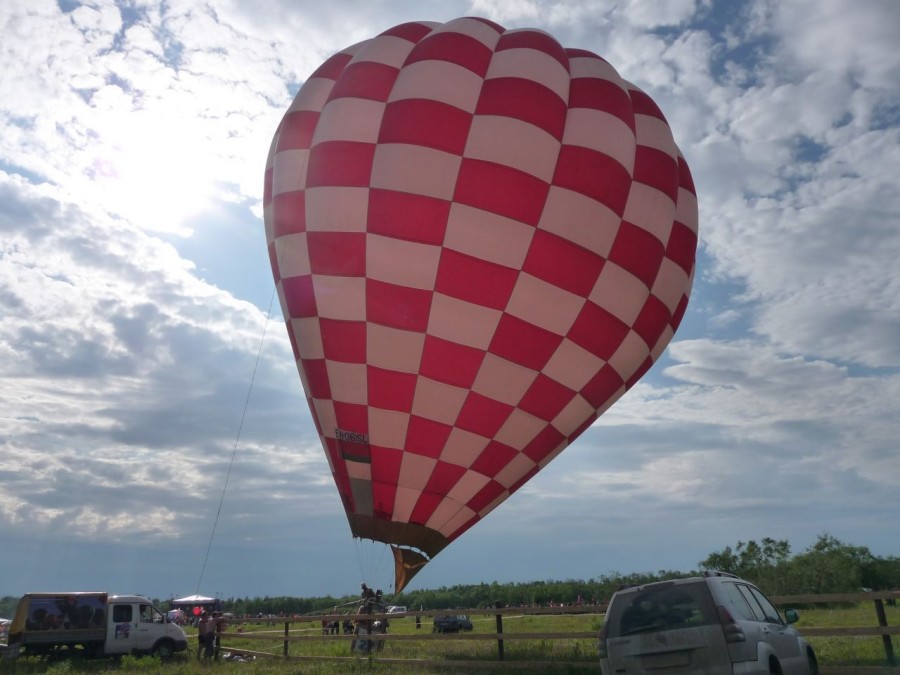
column 713, row 624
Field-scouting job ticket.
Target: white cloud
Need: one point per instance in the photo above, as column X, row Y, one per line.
column 149, row 368
column 843, row 38
column 148, row 139
column 657, row 13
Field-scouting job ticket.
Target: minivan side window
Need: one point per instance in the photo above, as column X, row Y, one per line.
column 736, row 603
column 772, row 615
column 758, row 613
column 756, row 599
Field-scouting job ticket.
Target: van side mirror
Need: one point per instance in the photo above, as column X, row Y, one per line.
column 791, row 615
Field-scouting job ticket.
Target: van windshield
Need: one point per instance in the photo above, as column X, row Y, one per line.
column 650, row 610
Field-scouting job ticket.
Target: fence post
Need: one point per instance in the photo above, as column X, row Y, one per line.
column 886, row 639
column 286, row 642
column 499, row 632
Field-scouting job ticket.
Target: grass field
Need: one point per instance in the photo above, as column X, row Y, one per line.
column 439, row 655
column 849, row 651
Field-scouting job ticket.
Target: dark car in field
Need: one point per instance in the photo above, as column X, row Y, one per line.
column 715, row 624
column 451, row 623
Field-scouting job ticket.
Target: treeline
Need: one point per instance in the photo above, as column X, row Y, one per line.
column 828, row 566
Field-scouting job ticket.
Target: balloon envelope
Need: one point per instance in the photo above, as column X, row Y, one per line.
column 480, row 241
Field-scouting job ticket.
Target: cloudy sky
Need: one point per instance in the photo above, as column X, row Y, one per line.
column 136, row 301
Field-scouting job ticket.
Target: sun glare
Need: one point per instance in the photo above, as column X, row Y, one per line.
column 154, row 171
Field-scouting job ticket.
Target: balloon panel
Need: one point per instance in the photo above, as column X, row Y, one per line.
column 480, row 241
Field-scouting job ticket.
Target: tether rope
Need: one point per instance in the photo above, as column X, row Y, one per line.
column 236, row 441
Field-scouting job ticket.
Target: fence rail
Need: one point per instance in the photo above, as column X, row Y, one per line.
column 878, row 599
column 501, row 636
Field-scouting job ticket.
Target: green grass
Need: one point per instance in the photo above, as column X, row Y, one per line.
column 450, row 648
column 441, row 654
column 850, row 651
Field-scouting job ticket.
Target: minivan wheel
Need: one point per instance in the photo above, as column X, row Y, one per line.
column 813, row 664
column 774, row 667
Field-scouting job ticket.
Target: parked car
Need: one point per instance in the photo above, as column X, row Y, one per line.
column 396, row 609
column 711, row 624
column 451, row 623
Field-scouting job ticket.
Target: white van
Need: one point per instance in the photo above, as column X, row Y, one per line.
column 91, row 625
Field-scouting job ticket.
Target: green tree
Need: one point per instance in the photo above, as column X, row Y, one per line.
column 8, row 606
column 763, row 563
column 881, row 573
column 830, row 566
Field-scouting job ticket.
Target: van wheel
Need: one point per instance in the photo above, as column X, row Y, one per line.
column 813, row 664
column 164, row 650
column 774, row 667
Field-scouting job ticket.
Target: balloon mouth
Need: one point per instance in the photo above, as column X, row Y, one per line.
column 406, row 535
column 407, row 563
column 413, row 545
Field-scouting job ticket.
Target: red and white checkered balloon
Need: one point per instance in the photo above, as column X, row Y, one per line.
column 480, row 240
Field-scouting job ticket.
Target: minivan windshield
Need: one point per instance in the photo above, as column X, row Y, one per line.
column 660, row 608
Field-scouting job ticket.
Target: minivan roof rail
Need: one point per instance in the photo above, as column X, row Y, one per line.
column 717, row 573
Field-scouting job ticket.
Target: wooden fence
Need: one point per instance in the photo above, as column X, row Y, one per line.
column 878, row 598
column 501, row 637
column 424, row 634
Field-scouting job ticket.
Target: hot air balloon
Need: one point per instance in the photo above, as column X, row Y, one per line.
column 480, row 241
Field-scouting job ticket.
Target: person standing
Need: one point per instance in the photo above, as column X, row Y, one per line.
column 209, row 639
column 201, row 634
column 220, row 625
